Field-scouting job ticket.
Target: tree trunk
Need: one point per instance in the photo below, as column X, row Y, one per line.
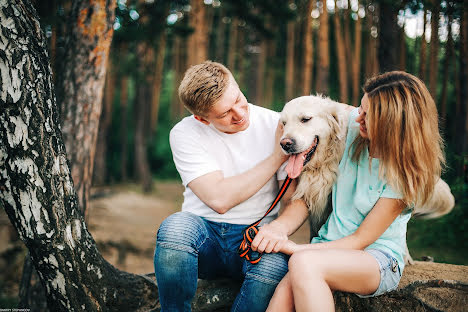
column 461, row 131
column 198, row 41
column 402, row 48
column 341, row 57
column 80, row 83
column 239, row 69
column 289, row 76
column 422, row 51
column 308, row 55
column 100, row 164
column 124, row 127
column 260, row 81
column 446, row 70
column 270, row 72
column 232, row 51
column 356, row 63
column 220, row 37
column 347, row 36
column 388, row 36
column 142, row 114
column 434, row 49
column 323, row 65
column 157, row 82
column 37, row 189
column 372, row 63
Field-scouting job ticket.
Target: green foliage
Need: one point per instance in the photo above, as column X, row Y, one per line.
column 446, row 238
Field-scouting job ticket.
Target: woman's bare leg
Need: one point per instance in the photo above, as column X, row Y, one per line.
column 282, row 300
column 313, row 275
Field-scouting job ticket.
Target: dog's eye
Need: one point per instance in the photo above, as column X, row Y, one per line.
column 305, row 119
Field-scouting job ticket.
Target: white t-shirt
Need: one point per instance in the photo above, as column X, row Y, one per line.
column 199, row 149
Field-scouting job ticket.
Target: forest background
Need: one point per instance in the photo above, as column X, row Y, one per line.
column 277, row 50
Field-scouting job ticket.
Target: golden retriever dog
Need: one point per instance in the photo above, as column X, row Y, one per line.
column 314, row 136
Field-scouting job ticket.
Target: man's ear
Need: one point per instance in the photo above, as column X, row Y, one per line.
column 201, row 119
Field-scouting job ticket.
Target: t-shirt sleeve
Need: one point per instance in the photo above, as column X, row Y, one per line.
column 388, row 192
column 281, row 174
column 190, row 157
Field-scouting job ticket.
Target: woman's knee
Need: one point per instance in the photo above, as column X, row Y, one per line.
column 305, row 264
column 182, row 231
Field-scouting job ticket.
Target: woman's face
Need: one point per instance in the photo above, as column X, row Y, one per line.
column 362, row 118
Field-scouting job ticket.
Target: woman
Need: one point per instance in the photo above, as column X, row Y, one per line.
column 392, row 160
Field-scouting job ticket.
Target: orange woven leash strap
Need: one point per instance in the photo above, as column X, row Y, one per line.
column 245, row 250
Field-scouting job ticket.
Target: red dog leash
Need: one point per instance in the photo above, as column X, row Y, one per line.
column 245, row 250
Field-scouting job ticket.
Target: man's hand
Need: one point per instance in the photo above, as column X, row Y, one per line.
column 270, row 238
column 278, row 151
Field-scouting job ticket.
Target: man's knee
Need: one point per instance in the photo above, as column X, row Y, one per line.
column 182, row 231
column 271, row 268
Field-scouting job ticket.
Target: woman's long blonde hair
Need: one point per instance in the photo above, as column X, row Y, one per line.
column 403, row 130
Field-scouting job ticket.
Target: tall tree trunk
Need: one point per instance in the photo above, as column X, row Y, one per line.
column 356, row 63
column 232, row 51
column 37, row 190
column 308, row 55
column 124, row 126
column 446, row 71
column 260, row 81
column 100, row 167
column 270, row 72
column 142, row 114
column 80, row 83
column 402, row 48
column 388, row 36
column 240, row 60
column 341, row 56
column 434, row 49
column 220, row 37
column 323, row 64
column 461, row 131
column 422, row 51
column 198, row 41
column 290, row 42
column 347, row 36
column 372, row 63
column 157, row 82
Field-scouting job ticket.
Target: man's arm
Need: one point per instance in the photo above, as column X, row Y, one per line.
column 221, row 194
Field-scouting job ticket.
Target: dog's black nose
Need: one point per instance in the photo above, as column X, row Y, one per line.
column 287, row 144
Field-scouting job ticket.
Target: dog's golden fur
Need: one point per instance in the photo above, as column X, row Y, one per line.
column 329, row 121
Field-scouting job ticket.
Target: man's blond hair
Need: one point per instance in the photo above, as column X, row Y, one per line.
column 203, row 85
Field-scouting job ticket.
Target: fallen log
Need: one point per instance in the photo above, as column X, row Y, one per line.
column 425, row 286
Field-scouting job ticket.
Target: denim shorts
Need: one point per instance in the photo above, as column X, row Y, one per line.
column 390, row 274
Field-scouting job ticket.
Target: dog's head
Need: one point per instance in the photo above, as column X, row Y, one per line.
column 310, row 124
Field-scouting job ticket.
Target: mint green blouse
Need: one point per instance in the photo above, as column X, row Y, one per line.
column 356, row 191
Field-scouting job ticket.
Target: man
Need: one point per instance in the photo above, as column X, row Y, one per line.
column 227, row 156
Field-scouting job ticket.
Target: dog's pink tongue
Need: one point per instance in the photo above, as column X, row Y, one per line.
column 295, row 164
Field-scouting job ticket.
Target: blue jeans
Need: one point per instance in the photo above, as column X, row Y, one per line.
column 189, row 247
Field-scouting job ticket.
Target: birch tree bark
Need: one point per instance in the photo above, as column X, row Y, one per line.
column 36, row 187
column 81, row 75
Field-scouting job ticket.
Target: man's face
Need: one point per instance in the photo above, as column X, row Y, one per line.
column 230, row 114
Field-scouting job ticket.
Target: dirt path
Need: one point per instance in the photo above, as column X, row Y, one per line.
column 124, row 223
